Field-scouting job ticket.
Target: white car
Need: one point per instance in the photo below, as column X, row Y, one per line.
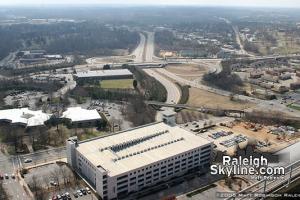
column 88, row 190
column 27, row 160
column 79, row 193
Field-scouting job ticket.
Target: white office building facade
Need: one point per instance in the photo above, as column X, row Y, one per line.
column 129, row 161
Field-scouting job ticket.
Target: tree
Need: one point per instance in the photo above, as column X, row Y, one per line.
column 34, row 183
column 106, row 67
column 135, row 83
column 64, row 174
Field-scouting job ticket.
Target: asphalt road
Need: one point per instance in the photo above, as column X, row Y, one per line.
column 174, row 93
column 14, row 188
column 149, row 49
column 138, row 53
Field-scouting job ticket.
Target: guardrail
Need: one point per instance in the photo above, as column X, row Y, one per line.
column 265, row 186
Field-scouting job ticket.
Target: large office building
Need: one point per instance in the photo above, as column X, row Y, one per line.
column 104, row 74
column 129, row 161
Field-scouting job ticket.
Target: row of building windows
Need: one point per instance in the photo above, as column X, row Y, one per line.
column 163, row 174
column 177, row 165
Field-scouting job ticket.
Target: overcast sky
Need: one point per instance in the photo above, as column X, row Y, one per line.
column 255, row 3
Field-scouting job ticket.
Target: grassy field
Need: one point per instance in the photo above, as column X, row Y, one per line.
column 295, row 107
column 90, row 134
column 117, row 84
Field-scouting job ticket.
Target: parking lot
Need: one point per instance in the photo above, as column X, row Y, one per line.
column 112, row 112
column 57, row 181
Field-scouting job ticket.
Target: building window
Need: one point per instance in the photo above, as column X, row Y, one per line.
column 122, row 177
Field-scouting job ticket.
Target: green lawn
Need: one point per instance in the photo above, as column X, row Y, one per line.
column 294, row 107
column 117, row 84
column 89, row 135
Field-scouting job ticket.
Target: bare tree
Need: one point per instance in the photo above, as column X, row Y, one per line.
column 46, row 181
column 55, row 174
column 64, row 174
column 34, row 183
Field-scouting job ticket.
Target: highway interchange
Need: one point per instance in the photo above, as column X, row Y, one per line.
column 144, row 53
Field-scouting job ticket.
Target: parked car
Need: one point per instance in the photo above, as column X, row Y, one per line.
column 79, row 193
column 27, row 161
column 75, row 194
column 88, row 190
column 6, row 176
column 83, row 191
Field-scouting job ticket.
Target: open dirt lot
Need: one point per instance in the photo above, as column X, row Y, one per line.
column 200, row 98
column 188, row 71
column 240, row 128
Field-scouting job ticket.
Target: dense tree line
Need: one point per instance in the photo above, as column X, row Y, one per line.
column 6, row 85
column 224, row 80
column 86, row 38
column 152, row 89
column 185, row 93
column 138, row 112
column 252, row 47
column 166, row 40
column 100, row 93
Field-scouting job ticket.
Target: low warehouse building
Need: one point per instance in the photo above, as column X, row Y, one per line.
column 24, row 117
column 81, row 117
column 104, row 75
column 129, row 161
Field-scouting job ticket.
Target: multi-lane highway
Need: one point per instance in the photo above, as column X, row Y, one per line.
column 174, row 92
column 149, row 48
column 138, row 53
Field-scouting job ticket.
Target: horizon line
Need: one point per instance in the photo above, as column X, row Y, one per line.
column 145, row 5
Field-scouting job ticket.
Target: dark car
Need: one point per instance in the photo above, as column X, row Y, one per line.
column 75, row 194
column 83, row 191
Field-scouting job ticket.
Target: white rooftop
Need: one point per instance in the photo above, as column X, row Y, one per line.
column 24, row 116
column 138, row 147
column 104, row 73
column 77, row 114
column 291, row 152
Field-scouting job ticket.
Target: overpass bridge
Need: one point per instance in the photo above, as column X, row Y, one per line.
column 226, row 112
column 146, row 64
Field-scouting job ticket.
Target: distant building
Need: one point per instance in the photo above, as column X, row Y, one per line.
column 53, row 57
column 255, row 74
column 129, row 161
column 281, row 89
column 285, row 76
column 104, row 75
column 295, row 86
column 80, row 117
column 24, row 117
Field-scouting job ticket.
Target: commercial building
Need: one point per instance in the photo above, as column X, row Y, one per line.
column 24, row 117
column 82, row 117
column 104, row 74
column 129, row 161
